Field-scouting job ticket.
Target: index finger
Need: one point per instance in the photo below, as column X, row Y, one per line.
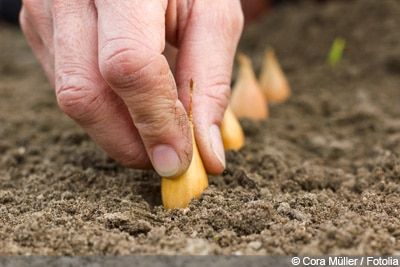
column 131, row 37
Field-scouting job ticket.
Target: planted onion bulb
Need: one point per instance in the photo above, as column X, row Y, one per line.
column 231, row 131
column 247, row 99
column 273, row 81
column 178, row 192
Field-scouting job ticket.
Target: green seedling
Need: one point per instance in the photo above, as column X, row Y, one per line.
column 336, row 52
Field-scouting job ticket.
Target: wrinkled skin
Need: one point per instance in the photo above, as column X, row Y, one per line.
column 105, row 60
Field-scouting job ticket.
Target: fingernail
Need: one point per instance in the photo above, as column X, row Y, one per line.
column 166, row 161
column 216, row 144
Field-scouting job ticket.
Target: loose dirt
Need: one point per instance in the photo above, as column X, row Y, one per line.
column 321, row 176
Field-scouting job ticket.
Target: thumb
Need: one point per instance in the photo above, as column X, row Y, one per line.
column 206, row 53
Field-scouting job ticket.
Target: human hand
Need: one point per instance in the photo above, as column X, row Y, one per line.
column 105, row 61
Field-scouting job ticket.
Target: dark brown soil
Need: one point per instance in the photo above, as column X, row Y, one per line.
column 321, row 176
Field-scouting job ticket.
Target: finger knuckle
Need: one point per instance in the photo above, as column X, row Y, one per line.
column 78, row 101
column 123, row 67
column 218, row 94
column 238, row 15
column 228, row 16
column 233, row 19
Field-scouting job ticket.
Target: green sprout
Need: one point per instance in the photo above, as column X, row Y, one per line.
column 336, row 51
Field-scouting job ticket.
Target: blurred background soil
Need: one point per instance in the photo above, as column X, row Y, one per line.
column 321, row 176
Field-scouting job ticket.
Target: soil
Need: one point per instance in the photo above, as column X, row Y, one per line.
column 320, row 176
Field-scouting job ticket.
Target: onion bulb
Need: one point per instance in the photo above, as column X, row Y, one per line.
column 273, row 81
column 231, row 131
column 178, row 192
column 247, row 99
